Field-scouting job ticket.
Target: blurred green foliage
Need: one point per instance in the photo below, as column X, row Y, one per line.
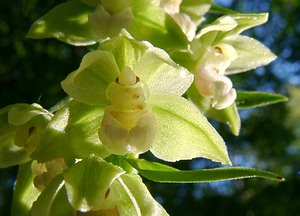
column 31, row 71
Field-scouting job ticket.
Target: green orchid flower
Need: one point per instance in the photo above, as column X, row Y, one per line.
column 218, row 51
column 21, row 128
column 88, row 187
column 129, row 93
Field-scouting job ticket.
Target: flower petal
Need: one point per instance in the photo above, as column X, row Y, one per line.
column 184, row 133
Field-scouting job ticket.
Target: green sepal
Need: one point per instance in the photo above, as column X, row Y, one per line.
column 53, row 200
column 170, row 175
column 248, row 99
column 72, row 133
column 184, row 133
column 24, row 191
column 161, row 74
column 251, row 54
column 67, row 22
column 88, row 181
column 126, row 50
column 88, row 83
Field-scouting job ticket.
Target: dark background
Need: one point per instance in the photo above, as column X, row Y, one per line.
column 31, row 70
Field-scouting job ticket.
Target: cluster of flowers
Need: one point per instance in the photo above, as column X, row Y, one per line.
column 126, row 99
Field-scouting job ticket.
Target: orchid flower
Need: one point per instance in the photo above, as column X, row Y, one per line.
column 129, row 93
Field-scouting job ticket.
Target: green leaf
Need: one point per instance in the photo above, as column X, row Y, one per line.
column 156, row 174
column 88, row 83
column 208, row 175
column 251, row 54
column 247, row 99
column 24, row 191
column 88, row 181
column 53, row 200
column 67, row 22
column 72, row 133
column 141, row 196
column 184, row 133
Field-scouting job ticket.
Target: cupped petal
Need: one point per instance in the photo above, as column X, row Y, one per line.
column 161, row 73
column 88, row 83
